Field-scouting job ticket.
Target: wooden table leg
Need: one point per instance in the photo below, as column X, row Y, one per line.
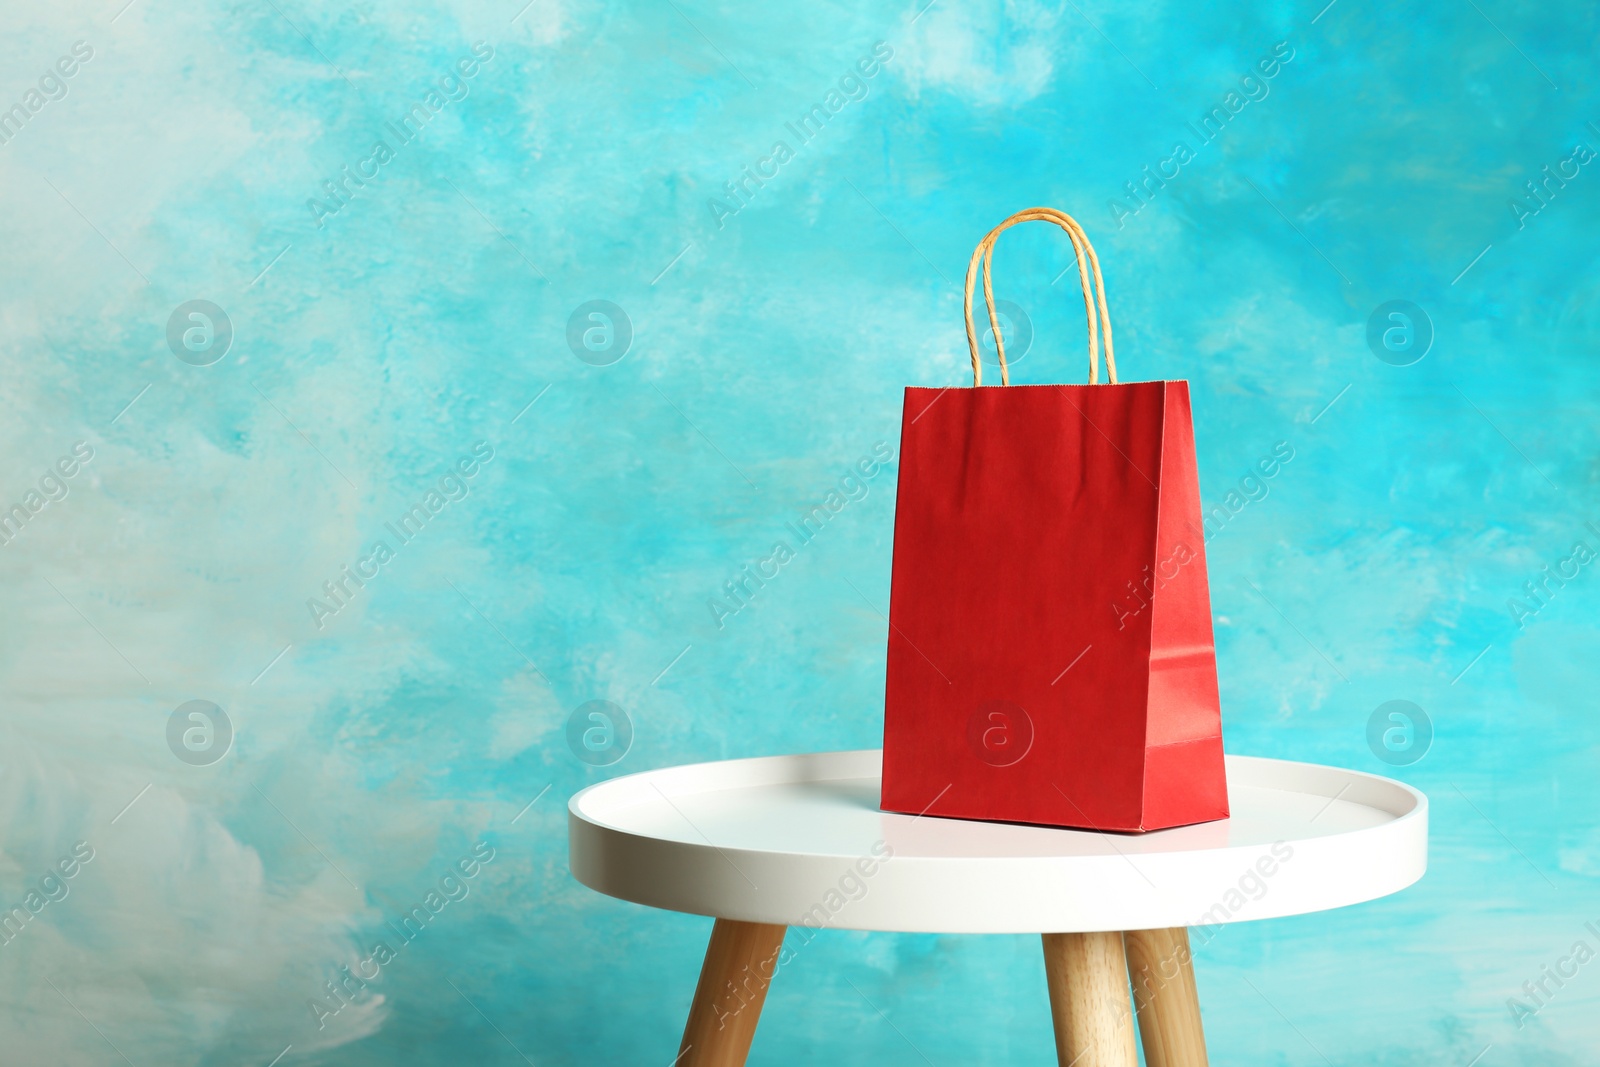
column 740, row 961
column 1162, row 970
column 1088, row 978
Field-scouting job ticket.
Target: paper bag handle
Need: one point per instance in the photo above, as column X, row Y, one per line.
column 1082, row 249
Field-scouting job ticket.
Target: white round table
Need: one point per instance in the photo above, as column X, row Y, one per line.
column 798, row 841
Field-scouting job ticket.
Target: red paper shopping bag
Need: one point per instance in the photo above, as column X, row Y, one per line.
column 1050, row 648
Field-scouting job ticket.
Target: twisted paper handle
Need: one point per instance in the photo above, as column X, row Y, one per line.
column 1083, row 250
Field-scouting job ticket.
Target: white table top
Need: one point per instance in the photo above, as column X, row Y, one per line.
column 800, row 840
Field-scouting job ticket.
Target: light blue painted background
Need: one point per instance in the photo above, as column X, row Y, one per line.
column 423, row 318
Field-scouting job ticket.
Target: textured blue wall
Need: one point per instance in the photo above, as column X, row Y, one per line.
column 383, row 327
